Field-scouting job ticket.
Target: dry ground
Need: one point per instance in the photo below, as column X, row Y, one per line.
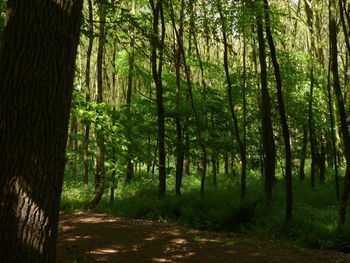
column 91, row 237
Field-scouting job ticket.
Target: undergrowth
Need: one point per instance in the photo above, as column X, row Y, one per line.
column 315, row 211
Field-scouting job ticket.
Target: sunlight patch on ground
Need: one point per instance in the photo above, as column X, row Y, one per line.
column 102, row 251
column 160, row 260
column 114, row 250
column 151, row 238
column 179, row 241
column 75, row 238
column 94, row 219
column 173, row 233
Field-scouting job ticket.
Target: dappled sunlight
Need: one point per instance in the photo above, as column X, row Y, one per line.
column 160, row 260
column 75, row 238
column 92, row 237
column 179, row 241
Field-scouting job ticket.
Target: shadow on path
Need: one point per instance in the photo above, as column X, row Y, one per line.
column 91, row 237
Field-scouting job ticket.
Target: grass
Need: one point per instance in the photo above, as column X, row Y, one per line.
column 314, row 221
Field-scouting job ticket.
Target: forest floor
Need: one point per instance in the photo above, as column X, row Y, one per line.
column 86, row 237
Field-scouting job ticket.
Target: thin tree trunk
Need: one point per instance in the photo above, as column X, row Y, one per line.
column 226, row 162
column 214, row 170
column 310, row 23
column 203, row 163
column 266, row 124
column 331, row 116
column 282, row 112
column 342, row 115
column 312, row 130
column 157, row 43
column 322, row 160
column 180, row 151
column 87, row 83
column 242, row 147
column 100, row 141
column 129, row 158
column 35, row 96
column 303, row 154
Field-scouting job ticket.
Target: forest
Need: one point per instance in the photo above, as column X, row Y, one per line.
column 228, row 116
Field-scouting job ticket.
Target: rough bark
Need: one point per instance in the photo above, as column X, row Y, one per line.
column 36, row 77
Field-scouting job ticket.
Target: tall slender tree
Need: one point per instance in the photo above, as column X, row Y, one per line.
column 265, row 108
column 341, row 112
column 157, row 44
column 240, row 142
column 100, row 140
column 282, row 112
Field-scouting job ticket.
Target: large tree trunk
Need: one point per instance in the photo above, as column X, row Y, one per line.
column 36, row 77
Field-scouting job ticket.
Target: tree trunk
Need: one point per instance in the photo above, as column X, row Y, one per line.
column 303, row 154
column 310, row 23
column 100, row 141
column 266, row 124
column 203, row 161
column 36, row 78
column 87, row 83
column 236, row 132
column 129, row 157
column 180, row 151
column 282, row 112
column 322, row 160
column 331, row 117
column 226, row 162
column 214, row 169
column 157, row 43
column 312, row 131
column 342, row 114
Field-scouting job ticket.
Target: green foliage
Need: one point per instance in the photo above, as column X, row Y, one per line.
column 315, row 212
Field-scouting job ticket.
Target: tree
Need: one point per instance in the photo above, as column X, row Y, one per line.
column 157, row 43
column 266, row 124
column 241, row 144
column 282, row 112
column 100, row 140
column 341, row 112
column 36, row 76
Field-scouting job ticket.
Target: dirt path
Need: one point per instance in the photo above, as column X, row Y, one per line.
column 91, row 237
